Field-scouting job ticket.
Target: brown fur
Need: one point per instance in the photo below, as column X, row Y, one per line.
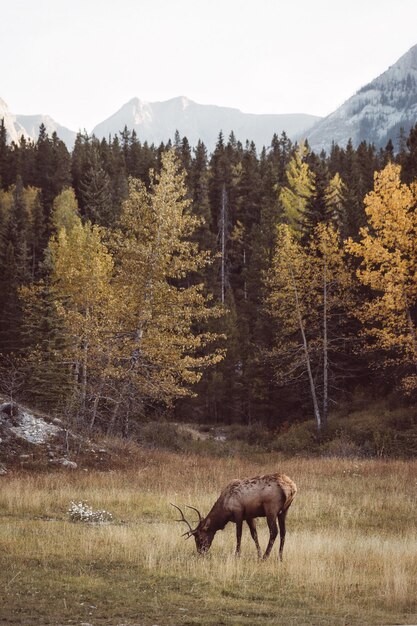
column 267, row 496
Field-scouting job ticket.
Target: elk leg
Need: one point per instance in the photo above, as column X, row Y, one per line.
column 273, row 532
column 281, row 521
column 252, row 527
column 239, row 526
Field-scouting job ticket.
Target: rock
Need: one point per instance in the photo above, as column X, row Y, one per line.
column 34, row 429
column 64, row 463
column 10, row 408
column 3, row 470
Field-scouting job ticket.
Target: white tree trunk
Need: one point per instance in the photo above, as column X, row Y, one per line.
column 306, row 354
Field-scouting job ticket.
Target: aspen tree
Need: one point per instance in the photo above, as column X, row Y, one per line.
column 300, row 188
column 159, row 303
column 289, row 302
column 80, row 280
column 309, row 292
column 388, row 253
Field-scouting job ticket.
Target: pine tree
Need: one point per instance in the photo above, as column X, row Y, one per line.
column 95, row 191
column 355, row 190
column 14, row 269
column 52, row 168
column 47, row 346
column 316, row 210
column 24, row 156
column 79, row 164
column 134, row 157
column 334, row 196
column 4, row 157
column 116, row 170
column 409, row 169
column 36, row 236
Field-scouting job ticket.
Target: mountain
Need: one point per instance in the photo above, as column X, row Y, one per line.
column 13, row 128
column 31, row 123
column 156, row 122
column 28, row 126
column 376, row 113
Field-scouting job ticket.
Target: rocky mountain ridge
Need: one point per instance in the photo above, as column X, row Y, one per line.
column 157, row 122
column 27, row 126
column 376, row 113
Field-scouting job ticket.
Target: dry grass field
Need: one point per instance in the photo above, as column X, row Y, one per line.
column 350, row 556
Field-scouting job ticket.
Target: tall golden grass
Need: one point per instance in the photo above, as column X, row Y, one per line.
column 350, row 555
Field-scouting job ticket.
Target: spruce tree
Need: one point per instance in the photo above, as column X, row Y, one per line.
column 4, row 157
column 95, row 191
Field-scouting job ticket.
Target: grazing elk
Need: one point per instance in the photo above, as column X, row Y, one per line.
column 267, row 496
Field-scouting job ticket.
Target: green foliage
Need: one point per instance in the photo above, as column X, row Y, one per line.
column 372, row 432
column 163, row 435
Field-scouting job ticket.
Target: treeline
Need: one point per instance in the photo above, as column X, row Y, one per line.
column 234, row 286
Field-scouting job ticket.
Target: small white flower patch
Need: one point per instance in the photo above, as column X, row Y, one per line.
column 82, row 512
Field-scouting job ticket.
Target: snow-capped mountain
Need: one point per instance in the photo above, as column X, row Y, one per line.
column 156, row 122
column 376, row 112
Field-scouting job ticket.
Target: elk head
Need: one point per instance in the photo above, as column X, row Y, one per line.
column 202, row 533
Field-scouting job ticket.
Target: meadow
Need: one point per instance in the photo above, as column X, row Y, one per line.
column 350, row 556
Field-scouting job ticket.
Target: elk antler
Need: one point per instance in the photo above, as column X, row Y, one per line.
column 200, row 517
column 189, row 532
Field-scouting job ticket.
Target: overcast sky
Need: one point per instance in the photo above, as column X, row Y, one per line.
column 81, row 60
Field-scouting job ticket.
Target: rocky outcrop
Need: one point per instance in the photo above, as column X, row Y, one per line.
column 376, row 113
column 29, row 440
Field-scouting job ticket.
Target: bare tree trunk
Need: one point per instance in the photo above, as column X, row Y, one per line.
column 411, row 328
column 223, row 244
column 325, row 349
column 95, row 404
column 306, row 354
column 84, row 376
column 245, row 286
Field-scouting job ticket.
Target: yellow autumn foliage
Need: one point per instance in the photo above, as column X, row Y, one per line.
column 387, row 251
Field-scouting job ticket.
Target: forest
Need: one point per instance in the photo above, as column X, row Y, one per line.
column 232, row 287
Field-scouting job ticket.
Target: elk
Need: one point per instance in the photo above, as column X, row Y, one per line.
column 267, row 496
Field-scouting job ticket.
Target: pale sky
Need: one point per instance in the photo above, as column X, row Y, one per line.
column 80, row 60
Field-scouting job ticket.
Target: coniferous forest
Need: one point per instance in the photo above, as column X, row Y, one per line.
column 235, row 287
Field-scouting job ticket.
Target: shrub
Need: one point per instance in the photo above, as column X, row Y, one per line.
column 162, row 435
column 299, row 438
